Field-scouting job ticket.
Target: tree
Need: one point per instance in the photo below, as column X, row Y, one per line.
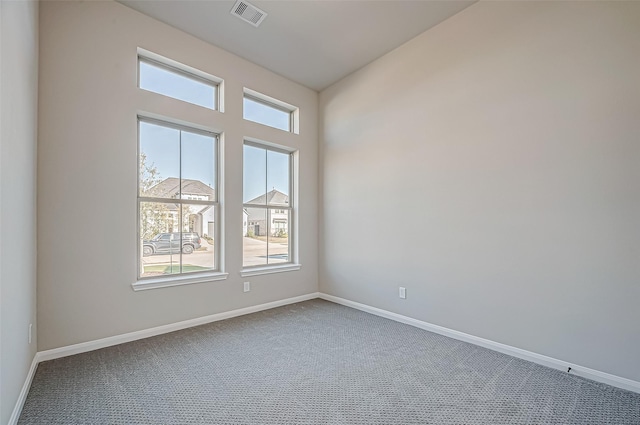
column 187, row 224
column 154, row 217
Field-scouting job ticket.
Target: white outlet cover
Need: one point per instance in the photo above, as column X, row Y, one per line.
column 247, row 286
column 402, row 292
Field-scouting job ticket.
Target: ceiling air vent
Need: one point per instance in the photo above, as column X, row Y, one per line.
column 248, row 13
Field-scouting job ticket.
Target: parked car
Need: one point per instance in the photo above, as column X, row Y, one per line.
column 169, row 243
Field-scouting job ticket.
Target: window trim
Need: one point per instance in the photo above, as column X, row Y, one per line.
column 292, row 263
column 178, row 280
column 275, row 268
column 181, row 278
column 182, row 70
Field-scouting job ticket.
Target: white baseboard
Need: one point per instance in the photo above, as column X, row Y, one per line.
column 585, row 372
column 159, row 330
column 84, row 347
column 70, row 350
column 15, row 415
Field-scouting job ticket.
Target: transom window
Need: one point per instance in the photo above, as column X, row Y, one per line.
column 178, row 82
column 177, row 199
column 269, row 111
column 267, row 205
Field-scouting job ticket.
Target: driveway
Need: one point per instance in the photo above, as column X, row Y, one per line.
column 254, row 251
column 202, row 257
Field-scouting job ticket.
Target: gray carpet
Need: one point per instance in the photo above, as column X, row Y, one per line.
column 314, row 363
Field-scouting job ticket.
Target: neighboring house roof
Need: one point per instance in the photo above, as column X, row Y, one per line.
column 275, row 197
column 170, row 188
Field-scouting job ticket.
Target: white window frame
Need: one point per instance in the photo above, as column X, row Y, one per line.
column 292, row 263
column 143, row 283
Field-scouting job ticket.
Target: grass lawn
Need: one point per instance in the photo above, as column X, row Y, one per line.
column 166, row 269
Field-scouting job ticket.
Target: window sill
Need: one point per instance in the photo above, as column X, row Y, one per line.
column 255, row 271
column 164, row 282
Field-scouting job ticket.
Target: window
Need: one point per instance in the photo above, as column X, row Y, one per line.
column 177, row 199
column 178, row 83
column 268, row 111
column 267, row 205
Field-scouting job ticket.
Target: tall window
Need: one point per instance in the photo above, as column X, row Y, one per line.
column 267, row 207
column 177, row 199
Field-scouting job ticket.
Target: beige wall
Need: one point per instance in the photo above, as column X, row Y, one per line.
column 492, row 167
column 18, row 123
column 87, row 173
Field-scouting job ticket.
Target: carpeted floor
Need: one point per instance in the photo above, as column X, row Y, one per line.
column 314, row 363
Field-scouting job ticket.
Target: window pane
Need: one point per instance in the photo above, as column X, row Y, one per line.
column 254, row 175
column 197, row 251
column 255, row 240
column 177, row 237
column 159, row 246
column 278, row 236
column 266, row 114
column 165, row 81
column 159, row 161
column 266, row 229
column 198, row 173
column 278, row 178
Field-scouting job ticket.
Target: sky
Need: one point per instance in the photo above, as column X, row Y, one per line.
column 166, row 148
column 264, row 170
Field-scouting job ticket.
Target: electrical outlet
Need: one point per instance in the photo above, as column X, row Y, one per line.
column 247, row 286
column 30, row 329
column 402, row 292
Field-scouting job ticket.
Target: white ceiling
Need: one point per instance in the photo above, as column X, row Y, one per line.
column 314, row 43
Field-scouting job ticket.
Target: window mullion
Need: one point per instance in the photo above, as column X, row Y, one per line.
column 181, row 207
column 268, row 231
column 266, row 197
